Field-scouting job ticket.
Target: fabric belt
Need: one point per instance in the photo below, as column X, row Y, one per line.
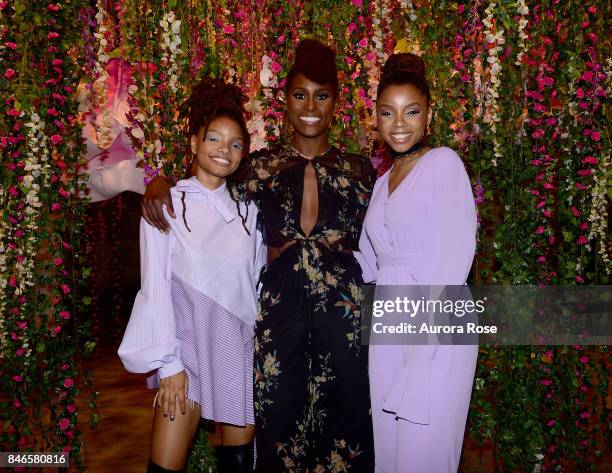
column 396, row 258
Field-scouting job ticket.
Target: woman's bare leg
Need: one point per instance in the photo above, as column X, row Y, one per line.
column 234, row 436
column 171, row 440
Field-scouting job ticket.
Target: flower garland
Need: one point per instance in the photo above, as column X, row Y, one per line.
column 494, row 40
column 100, row 78
column 170, row 50
column 523, row 10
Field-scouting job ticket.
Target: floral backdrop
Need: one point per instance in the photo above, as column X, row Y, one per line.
column 519, row 90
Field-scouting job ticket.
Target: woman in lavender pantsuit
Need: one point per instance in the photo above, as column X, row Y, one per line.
column 419, row 229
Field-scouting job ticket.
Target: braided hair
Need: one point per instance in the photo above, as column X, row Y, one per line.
column 212, row 98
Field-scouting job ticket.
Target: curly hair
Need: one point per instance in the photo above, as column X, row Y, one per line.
column 212, row 98
column 404, row 68
column 317, row 62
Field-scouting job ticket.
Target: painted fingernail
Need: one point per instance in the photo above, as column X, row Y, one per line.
column 172, row 418
column 183, row 412
column 165, row 414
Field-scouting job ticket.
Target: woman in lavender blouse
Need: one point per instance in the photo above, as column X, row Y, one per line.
column 419, row 230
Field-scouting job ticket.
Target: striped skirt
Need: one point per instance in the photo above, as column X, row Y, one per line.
column 217, row 352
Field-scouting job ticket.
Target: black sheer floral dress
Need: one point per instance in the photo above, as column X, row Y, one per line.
column 311, row 395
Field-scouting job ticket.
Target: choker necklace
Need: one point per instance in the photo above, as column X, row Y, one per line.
column 406, row 155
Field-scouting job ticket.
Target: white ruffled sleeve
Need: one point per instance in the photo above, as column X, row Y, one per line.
column 149, row 341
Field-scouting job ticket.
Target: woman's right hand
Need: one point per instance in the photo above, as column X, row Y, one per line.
column 170, row 389
column 156, row 195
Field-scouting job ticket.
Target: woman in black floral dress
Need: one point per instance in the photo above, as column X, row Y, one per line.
column 311, row 388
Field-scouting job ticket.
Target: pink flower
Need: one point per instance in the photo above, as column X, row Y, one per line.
column 539, row 107
column 64, row 424
column 363, row 42
column 11, row 45
column 584, row 388
column 584, row 226
column 275, row 67
column 52, row 35
column 22, row 325
column 590, row 160
column 592, row 9
column 17, row 378
column 3, row 5
column 229, row 29
column 548, row 185
column 580, row 93
column 460, row 9
column 551, row 240
column 357, row 3
column 541, row 259
column 63, row 192
column 65, row 289
column 55, row 207
column 583, row 359
column 582, row 240
column 53, row 7
column 547, row 213
column 280, row 39
column 595, row 136
column 71, row 408
column 541, row 204
column 540, row 230
column 57, row 62
column 57, row 329
column 537, row 134
column 58, row 261
column 13, row 112
column 575, row 212
column 352, row 27
column 68, row 382
column 584, row 172
column 585, row 415
column 56, row 139
column 20, row 351
column 64, row 314
column 551, row 423
column 240, row 15
column 9, row 73
column 546, row 382
column 579, row 278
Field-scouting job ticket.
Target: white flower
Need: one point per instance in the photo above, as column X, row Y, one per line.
column 137, row 133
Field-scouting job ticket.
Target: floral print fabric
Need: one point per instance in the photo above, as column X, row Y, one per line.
column 311, row 388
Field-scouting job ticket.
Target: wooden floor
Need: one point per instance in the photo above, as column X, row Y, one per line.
column 120, row 443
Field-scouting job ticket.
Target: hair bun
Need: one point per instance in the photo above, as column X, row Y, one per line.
column 311, row 53
column 404, row 63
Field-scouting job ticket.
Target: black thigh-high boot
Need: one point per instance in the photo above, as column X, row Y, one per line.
column 234, row 459
column 154, row 468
